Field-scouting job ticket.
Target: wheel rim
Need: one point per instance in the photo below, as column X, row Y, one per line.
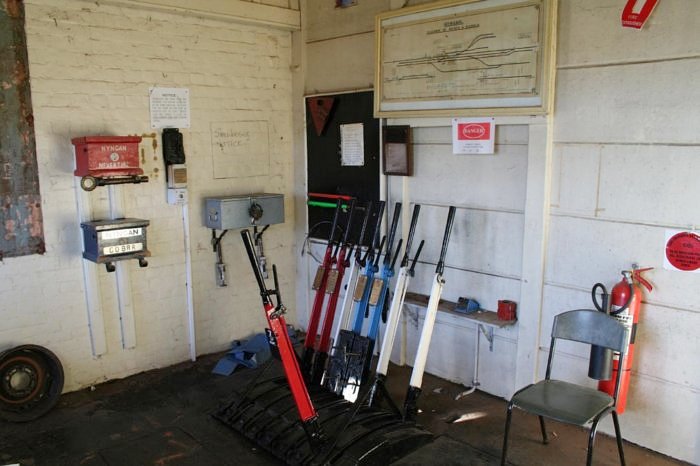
column 21, row 379
column 31, row 381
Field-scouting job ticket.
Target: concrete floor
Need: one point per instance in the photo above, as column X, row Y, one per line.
column 162, row 417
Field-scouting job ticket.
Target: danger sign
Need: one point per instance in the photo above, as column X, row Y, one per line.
column 473, row 135
column 473, row 131
column 682, row 251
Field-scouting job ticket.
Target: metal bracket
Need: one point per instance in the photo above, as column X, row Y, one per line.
column 258, row 240
column 220, row 266
column 278, row 312
column 488, row 334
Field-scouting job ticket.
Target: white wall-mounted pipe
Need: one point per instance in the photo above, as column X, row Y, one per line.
column 127, row 325
column 188, row 277
column 93, row 297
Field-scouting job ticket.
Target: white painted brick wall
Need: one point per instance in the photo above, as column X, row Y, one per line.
column 91, row 66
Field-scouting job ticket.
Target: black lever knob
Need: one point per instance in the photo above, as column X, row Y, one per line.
column 256, row 211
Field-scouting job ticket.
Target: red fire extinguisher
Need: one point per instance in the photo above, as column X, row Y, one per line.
column 626, row 291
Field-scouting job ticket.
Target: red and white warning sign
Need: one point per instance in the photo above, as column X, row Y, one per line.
column 636, row 13
column 682, row 251
column 473, row 135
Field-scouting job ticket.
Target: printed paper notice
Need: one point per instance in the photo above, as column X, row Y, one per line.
column 473, row 135
column 170, row 107
column 352, row 145
column 682, row 251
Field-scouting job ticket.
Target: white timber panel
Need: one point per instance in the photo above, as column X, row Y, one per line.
column 494, row 181
column 535, row 236
column 575, row 173
column 325, row 21
column 662, row 417
column 596, row 251
column 481, row 241
column 582, row 25
column 330, row 68
column 636, row 103
column 660, row 184
column 631, row 183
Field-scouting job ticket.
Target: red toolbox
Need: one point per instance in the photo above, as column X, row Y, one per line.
column 101, row 160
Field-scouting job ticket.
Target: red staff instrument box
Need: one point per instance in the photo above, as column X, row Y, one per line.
column 101, row 160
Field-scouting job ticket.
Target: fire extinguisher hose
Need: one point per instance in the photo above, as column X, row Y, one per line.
column 603, row 307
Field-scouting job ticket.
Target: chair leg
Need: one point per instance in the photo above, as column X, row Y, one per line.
column 509, row 415
column 618, row 436
column 591, row 439
column 545, row 439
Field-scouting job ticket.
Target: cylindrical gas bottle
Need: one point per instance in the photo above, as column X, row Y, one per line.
column 629, row 284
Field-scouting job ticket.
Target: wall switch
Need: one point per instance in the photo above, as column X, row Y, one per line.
column 177, row 196
column 177, row 176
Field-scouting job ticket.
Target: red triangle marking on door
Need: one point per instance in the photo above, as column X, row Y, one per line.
column 320, row 108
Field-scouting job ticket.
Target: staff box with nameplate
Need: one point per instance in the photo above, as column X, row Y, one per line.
column 107, row 241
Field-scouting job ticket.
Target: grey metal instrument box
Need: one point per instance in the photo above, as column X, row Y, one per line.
column 108, row 241
column 242, row 211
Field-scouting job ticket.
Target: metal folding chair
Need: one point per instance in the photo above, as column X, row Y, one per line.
column 567, row 402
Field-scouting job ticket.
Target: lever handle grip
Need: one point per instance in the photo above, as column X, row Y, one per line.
column 412, row 270
column 392, row 233
column 396, row 256
column 411, row 232
column 338, row 207
column 446, row 239
column 348, row 227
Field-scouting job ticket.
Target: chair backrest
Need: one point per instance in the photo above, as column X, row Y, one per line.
column 592, row 327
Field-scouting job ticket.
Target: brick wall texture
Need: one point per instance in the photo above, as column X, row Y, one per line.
column 91, row 67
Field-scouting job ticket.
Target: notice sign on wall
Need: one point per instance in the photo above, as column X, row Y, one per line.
column 352, row 145
column 637, row 12
column 682, row 251
column 473, row 135
column 170, row 107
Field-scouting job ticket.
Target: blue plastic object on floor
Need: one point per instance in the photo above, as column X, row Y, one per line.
column 250, row 354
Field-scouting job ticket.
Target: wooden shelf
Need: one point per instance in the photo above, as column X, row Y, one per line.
column 482, row 316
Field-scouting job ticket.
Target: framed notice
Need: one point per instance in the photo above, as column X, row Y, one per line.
column 465, row 58
column 397, row 156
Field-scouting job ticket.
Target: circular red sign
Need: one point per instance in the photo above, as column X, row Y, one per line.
column 683, row 251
